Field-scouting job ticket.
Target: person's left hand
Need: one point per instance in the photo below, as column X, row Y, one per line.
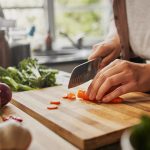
column 119, row 77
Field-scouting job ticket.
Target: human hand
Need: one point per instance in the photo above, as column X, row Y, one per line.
column 109, row 50
column 121, row 76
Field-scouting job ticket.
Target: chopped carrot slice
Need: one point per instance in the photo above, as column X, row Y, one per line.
column 70, row 96
column 52, row 107
column 55, row 102
column 82, row 94
column 65, row 96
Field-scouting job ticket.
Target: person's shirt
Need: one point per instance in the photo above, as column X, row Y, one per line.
column 138, row 14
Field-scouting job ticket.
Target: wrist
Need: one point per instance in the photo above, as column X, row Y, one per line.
column 145, row 76
column 114, row 41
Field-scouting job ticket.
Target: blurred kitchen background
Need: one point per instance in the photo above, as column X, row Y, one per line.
column 59, row 33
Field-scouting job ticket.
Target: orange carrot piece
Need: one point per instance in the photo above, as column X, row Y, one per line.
column 70, row 96
column 52, row 107
column 55, row 102
column 82, row 94
column 65, row 96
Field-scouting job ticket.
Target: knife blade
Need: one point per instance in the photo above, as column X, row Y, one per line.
column 84, row 72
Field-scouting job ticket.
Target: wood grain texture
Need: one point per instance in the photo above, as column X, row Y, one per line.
column 42, row 137
column 86, row 125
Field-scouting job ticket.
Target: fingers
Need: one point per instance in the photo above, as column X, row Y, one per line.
column 100, row 50
column 115, row 62
column 110, row 82
column 126, row 88
column 107, row 60
column 100, row 78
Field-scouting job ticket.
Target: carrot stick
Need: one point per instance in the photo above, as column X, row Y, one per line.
column 55, row 102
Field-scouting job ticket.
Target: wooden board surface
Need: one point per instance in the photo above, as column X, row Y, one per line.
column 84, row 124
column 42, row 137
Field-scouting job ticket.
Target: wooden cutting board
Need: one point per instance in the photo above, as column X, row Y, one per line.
column 42, row 137
column 86, row 125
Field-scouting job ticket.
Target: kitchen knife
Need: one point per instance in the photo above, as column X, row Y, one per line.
column 84, row 72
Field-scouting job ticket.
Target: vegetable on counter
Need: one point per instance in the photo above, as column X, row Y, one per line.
column 5, row 94
column 52, row 107
column 70, row 96
column 14, row 136
column 55, row 102
column 82, row 94
column 140, row 135
column 29, row 75
column 18, row 119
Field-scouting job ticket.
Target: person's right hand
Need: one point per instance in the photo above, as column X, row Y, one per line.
column 109, row 50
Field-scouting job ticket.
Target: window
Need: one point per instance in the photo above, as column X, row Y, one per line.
column 28, row 13
column 87, row 18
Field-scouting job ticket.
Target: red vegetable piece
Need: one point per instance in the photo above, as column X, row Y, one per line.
column 70, row 96
column 52, row 107
column 5, row 94
column 65, row 96
column 18, row 119
column 55, row 102
column 82, row 94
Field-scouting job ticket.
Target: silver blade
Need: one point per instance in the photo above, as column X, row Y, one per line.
column 84, row 72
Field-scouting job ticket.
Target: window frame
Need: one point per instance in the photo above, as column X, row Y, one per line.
column 49, row 8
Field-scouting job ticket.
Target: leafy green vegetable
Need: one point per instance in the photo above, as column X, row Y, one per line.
column 15, row 74
column 140, row 137
column 30, row 66
column 3, row 72
column 11, row 82
column 24, row 87
column 29, row 75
